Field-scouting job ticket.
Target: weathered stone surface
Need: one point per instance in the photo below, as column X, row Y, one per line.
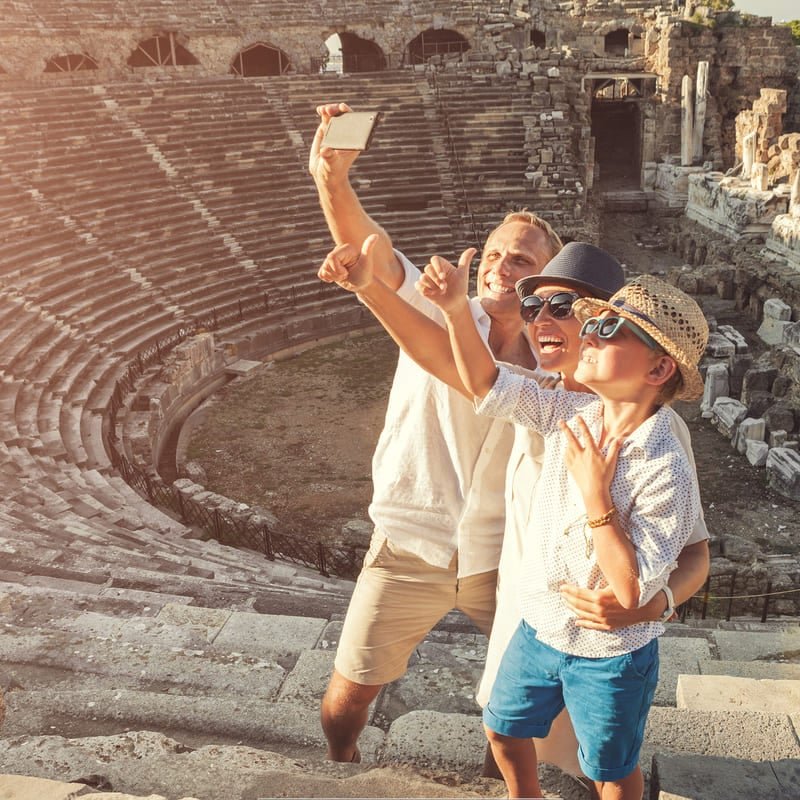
column 726, row 414
column 677, row 656
column 746, row 646
column 726, row 693
column 777, row 318
column 749, row 430
column 461, row 740
column 700, row 777
column 267, row 635
column 780, row 417
column 715, row 386
column 720, row 346
column 757, row 453
column 783, row 472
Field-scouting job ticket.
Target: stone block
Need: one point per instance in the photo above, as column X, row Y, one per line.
column 677, row 656
column 780, row 417
column 783, row 472
column 730, row 333
column 758, row 403
column 460, row 741
column 716, row 385
column 777, row 438
column 777, row 318
column 757, row 378
column 682, row 776
column 756, row 453
column 269, row 635
column 773, row 331
column 720, row 346
column 791, row 333
column 727, row 693
column 749, row 430
column 726, row 414
column 762, row 646
column 775, row 308
column 738, row 365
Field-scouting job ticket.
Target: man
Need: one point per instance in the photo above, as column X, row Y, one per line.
column 438, row 470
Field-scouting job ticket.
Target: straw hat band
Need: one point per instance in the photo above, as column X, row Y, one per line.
column 620, row 303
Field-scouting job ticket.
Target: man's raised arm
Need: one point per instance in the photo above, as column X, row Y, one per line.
column 347, row 220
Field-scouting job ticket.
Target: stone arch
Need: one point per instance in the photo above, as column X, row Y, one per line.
column 260, row 59
column 616, row 42
column 361, row 55
column 72, row 62
column 537, row 38
column 161, row 50
column 433, row 42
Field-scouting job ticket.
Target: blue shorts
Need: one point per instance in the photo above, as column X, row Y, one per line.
column 607, row 699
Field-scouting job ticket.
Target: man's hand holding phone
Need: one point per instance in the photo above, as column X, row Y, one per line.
column 328, row 164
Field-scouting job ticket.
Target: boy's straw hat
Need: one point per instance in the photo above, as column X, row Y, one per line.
column 669, row 315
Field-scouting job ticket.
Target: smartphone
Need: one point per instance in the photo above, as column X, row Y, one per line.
column 352, row 130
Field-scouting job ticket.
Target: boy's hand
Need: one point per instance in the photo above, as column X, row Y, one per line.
column 325, row 164
column 351, row 268
column 590, row 469
column 445, row 285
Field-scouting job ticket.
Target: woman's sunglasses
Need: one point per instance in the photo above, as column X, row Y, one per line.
column 608, row 327
column 559, row 304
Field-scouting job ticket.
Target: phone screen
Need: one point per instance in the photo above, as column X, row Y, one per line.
column 352, row 130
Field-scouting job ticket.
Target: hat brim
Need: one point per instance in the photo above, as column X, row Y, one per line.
column 525, row 287
column 692, row 387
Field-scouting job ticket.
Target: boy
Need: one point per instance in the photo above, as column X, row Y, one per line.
column 617, row 499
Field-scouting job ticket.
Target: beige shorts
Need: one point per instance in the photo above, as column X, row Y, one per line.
column 398, row 599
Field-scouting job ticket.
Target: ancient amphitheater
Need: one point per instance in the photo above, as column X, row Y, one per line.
column 160, row 235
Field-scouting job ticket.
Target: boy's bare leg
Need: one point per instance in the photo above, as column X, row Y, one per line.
column 516, row 759
column 490, row 768
column 631, row 787
column 345, row 707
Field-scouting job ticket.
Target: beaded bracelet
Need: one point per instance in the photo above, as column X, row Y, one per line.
column 604, row 520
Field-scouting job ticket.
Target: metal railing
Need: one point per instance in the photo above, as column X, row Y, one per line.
column 341, row 561
column 725, row 595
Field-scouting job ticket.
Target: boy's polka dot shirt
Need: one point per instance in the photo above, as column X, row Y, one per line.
column 654, row 490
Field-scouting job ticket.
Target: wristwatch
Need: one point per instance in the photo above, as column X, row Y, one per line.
column 670, row 609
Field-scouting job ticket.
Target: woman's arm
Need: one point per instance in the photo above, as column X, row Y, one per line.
column 599, row 609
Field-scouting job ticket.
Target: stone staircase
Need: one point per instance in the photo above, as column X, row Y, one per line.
column 208, row 686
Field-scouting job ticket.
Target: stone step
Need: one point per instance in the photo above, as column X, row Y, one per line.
column 726, row 734
column 725, row 693
column 144, row 763
column 693, row 777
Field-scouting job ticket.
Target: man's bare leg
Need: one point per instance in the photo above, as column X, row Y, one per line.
column 344, row 715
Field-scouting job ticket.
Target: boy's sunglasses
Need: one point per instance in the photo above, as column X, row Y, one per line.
column 608, row 327
column 559, row 304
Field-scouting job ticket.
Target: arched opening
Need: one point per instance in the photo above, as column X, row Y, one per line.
column 434, row 43
column 73, row 62
column 258, row 60
column 360, row 55
column 617, row 42
column 333, row 60
column 538, row 39
column 161, row 51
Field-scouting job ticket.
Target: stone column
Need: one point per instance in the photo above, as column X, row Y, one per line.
column 748, row 155
column 686, row 121
column 794, row 197
column 759, row 178
column 701, row 92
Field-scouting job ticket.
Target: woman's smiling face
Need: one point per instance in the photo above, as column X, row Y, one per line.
column 556, row 341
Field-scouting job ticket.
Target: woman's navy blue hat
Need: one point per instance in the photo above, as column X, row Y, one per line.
column 580, row 265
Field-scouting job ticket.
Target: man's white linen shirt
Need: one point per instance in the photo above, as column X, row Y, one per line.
column 439, row 469
column 654, row 490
